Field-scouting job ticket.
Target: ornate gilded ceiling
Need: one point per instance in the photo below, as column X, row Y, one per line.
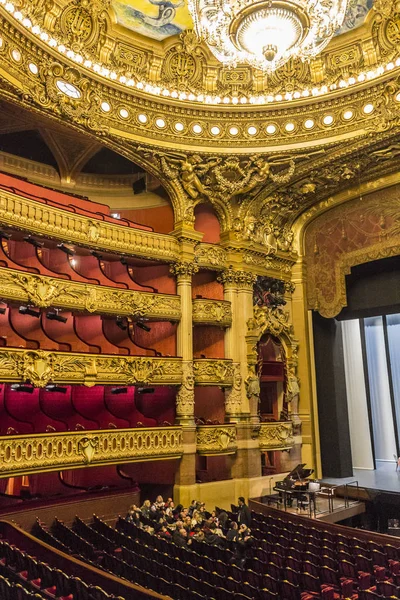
column 262, row 151
column 160, row 19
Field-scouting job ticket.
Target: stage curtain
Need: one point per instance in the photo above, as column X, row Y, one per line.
column 393, row 333
column 360, row 435
column 381, row 408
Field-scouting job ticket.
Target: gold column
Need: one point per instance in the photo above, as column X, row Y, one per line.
column 185, row 396
column 307, row 407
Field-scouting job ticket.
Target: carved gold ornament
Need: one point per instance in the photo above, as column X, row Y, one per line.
column 233, row 395
column 216, row 439
column 212, row 312
column 41, row 367
column 185, row 396
column 43, row 291
column 213, row 371
column 39, row 453
column 276, row 436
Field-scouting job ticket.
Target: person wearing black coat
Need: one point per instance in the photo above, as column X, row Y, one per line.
column 244, row 514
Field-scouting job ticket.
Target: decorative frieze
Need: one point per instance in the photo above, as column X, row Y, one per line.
column 277, row 435
column 39, row 453
column 50, row 222
column 43, row 291
column 210, row 256
column 40, row 367
column 216, row 439
column 212, row 312
column 213, row 371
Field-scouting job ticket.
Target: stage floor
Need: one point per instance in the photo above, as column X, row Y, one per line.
column 384, row 478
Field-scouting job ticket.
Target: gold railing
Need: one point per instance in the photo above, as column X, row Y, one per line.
column 44, row 291
column 216, row 439
column 277, row 435
column 35, row 217
column 39, row 453
column 212, row 312
column 43, row 366
column 213, row 371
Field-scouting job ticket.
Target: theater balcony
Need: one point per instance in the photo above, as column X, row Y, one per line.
column 212, row 312
column 213, row 371
column 212, row 440
column 40, row 453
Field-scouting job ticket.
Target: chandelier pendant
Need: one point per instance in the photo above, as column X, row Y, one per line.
column 267, row 33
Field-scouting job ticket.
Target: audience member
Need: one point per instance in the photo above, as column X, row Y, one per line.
column 244, row 515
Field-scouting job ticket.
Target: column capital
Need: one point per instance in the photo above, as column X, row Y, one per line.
column 184, row 268
column 241, row 279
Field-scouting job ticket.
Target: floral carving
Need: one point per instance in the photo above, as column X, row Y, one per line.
column 213, row 372
column 212, row 311
column 233, row 395
column 185, row 395
column 276, row 436
column 212, row 439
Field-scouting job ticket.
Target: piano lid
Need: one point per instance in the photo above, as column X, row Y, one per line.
column 299, row 472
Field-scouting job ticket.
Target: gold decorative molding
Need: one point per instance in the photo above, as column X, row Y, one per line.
column 42, row 366
column 43, row 291
column 233, row 395
column 211, row 312
column 216, row 439
column 184, row 401
column 213, row 371
column 35, row 217
column 210, row 256
column 276, row 435
column 40, row 453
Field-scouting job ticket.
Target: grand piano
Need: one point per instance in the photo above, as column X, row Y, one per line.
column 296, row 486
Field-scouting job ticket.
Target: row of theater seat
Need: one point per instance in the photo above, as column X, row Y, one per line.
column 61, row 200
column 18, row 567
column 65, row 331
column 288, row 562
column 69, row 408
column 16, row 591
column 45, row 257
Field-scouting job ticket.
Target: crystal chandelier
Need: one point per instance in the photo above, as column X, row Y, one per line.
column 268, row 33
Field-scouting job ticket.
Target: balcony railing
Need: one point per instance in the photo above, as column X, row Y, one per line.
column 41, row 367
column 216, row 439
column 43, row 291
column 35, row 217
column 39, row 453
column 277, row 435
column 212, row 312
column 213, row 371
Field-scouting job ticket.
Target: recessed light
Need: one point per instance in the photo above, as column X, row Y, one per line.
column 270, row 129
column 160, row 123
column 309, row 124
column 33, row 68
column 252, row 130
column 398, row 97
column 105, row 107
column 179, row 126
column 328, row 120
column 215, row 130
column 233, row 130
column 142, row 119
column 348, row 114
column 124, row 113
column 289, row 127
column 197, row 129
column 368, row 109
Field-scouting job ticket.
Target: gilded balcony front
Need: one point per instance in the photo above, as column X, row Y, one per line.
column 50, row 222
column 213, row 371
column 43, row 366
column 43, row 291
column 216, row 439
column 212, row 312
column 39, row 453
column 277, row 435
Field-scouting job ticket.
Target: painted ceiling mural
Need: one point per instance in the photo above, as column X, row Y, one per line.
column 159, row 19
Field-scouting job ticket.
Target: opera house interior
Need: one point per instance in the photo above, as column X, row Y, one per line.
column 199, row 299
